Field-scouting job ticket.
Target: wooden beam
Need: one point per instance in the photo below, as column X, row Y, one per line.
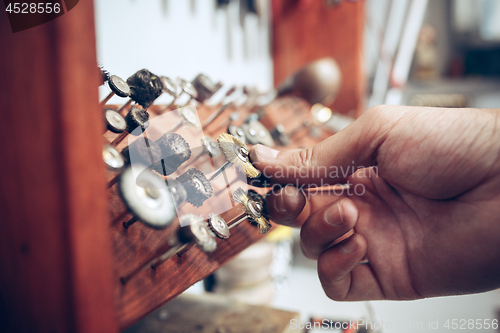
column 55, row 254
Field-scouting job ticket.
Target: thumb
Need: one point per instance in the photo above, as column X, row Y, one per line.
column 333, row 159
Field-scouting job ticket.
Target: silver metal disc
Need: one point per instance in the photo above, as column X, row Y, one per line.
column 189, row 117
column 119, row 86
column 218, row 226
column 169, row 86
column 237, row 132
column 204, row 237
column 197, row 231
column 114, row 121
column 188, row 88
column 256, row 133
column 211, row 147
column 112, row 158
column 147, row 197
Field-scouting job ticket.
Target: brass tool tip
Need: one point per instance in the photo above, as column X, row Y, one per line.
column 254, row 207
column 237, row 152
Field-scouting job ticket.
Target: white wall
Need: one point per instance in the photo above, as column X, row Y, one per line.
column 183, row 38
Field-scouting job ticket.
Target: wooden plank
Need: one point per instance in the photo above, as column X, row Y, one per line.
column 152, row 288
column 55, row 258
column 136, row 246
column 302, row 34
column 57, row 273
column 213, row 313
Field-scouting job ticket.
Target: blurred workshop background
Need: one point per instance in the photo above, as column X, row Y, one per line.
column 403, row 52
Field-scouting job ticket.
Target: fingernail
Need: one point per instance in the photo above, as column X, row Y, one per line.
column 334, row 215
column 349, row 246
column 279, row 204
column 261, row 153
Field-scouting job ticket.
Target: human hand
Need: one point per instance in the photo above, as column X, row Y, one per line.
column 428, row 219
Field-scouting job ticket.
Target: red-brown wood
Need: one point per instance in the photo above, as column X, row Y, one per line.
column 136, row 246
column 61, row 255
column 55, row 256
column 151, row 288
column 303, row 33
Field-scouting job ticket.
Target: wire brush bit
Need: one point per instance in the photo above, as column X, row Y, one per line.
column 145, row 87
column 174, row 151
column 254, row 205
column 236, row 153
column 197, row 186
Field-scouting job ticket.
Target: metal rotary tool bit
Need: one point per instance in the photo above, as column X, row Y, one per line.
column 210, row 147
column 174, row 151
column 114, row 121
column 236, row 153
column 196, row 232
column 145, row 87
column 137, row 122
column 197, row 186
column 255, row 210
column 147, row 197
column 118, row 87
column 205, row 87
column 186, row 88
column 112, row 158
column 218, row 226
column 169, row 86
column 188, row 117
column 237, row 132
column 143, row 151
column 104, row 73
column 256, row 133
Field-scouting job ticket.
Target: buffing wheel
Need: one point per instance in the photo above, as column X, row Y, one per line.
column 136, row 118
column 147, row 197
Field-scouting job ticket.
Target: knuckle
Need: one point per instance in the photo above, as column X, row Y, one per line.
column 331, row 294
column 325, row 270
column 331, row 286
column 376, row 111
column 305, row 157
